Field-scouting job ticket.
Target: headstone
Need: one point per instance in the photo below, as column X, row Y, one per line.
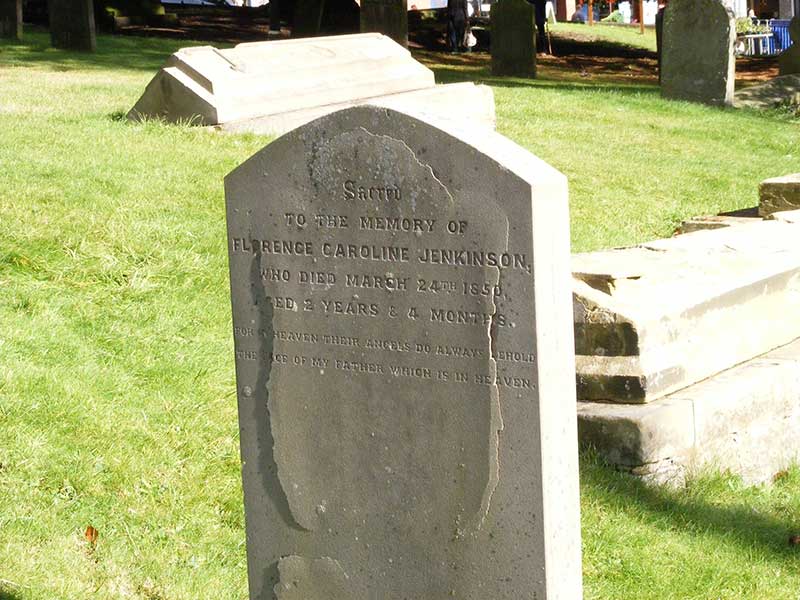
column 513, row 38
column 72, row 24
column 404, row 364
column 786, row 9
column 273, row 87
column 389, row 17
column 308, row 18
column 11, row 19
column 789, row 60
column 697, row 59
column 779, row 194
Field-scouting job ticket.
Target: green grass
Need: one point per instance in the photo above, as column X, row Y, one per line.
column 117, row 405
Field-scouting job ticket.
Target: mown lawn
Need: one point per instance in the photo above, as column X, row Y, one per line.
column 117, row 405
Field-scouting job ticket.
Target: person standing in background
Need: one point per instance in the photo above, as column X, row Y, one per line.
column 457, row 20
column 540, row 13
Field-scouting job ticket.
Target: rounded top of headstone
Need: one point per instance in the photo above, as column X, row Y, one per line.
column 693, row 10
column 794, row 30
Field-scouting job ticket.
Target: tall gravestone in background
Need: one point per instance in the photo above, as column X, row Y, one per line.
column 72, row 24
column 513, row 38
column 389, row 17
column 308, row 18
column 404, row 363
column 697, row 59
column 11, row 19
column 789, row 60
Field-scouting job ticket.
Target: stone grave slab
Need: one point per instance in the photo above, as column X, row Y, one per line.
column 513, row 38
column 272, row 87
column 779, row 194
column 11, row 19
column 72, row 24
column 389, row 17
column 697, row 61
column 404, row 364
column 658, row 317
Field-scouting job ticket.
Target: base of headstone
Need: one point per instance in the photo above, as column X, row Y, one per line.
column 11, row 19
column 72, row 25
column 744, row 420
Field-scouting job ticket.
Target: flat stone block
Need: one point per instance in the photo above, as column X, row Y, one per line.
column 779, row 194
column 655, row 318
column 744, row 420
column 270, row 79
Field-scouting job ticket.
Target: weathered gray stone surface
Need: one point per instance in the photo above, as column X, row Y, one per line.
column 389, row 17
column 779, row 91
column 72, row 24
column 789, row 60
column 513, row 38
column 272, row 87
column 11, row 19
column 744, row 420
column 658, row 317
column 697, row 61
column 404, row 364
column 779, row 194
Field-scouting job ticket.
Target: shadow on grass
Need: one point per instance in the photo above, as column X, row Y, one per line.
column 7, row 594
column 113, row 52
column 688, row 511
column 483, row 75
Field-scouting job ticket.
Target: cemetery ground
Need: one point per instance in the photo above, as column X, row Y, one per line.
column 119, row 460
